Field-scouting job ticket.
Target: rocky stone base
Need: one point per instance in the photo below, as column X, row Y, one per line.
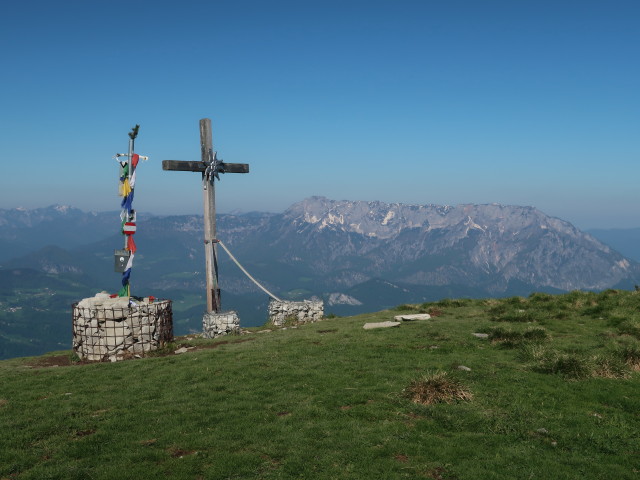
column 217, row 324
column 301, row 312
column 112, row 329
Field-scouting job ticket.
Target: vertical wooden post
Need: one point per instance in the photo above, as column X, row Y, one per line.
column 210, row 170
column 210, row 250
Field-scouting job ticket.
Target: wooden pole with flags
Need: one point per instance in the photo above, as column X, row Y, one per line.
column 124, row 257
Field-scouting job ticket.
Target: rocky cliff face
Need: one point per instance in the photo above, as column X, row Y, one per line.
column 485, row 246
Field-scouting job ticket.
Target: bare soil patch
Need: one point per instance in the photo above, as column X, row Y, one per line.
column 67, row 360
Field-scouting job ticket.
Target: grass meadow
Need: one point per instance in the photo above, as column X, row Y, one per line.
column 549, row 390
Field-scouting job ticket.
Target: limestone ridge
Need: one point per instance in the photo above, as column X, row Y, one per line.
column 486, row 246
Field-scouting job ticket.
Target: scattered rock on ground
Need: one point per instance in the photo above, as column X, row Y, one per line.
column 462, row 367
column 388, row 324
column 412, row 317
column 181, row 350
column 481, row 335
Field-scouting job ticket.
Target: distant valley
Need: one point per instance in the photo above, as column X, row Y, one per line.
column 356, row 256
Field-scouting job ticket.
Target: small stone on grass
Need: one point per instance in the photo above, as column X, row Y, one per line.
column 480, row 335
column 369, row 326
column 412, row 317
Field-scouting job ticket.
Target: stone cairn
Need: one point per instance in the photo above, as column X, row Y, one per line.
column 112, row 329
column 306, row 311
column 217, row 324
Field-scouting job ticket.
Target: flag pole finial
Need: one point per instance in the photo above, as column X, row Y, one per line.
column 134, row 132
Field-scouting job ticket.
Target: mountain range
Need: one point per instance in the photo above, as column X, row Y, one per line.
column 357, row 256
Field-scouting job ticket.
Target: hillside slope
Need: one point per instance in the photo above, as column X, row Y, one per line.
column 551, row 393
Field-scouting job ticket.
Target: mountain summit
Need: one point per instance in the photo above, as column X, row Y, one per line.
column 483, row 246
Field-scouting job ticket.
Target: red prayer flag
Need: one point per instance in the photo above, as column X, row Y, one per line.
column 131, row 245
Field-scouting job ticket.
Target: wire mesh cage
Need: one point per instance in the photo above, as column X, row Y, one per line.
column 116, row 329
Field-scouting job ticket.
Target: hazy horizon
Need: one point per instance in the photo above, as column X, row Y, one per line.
column 241, row 212
column 460, row 102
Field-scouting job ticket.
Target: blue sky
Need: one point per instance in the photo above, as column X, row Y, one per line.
column 514, row 102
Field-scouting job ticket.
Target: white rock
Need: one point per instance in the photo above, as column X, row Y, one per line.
column 415, row 316
column 462, row 367
column 82, row 321
column 147, row 329
column 85, row 303
column 114, row 328
column 481, row 335
column 369, row 326
column 115, row 314
column 93, row 336
column 181, row 350
column 118, row 302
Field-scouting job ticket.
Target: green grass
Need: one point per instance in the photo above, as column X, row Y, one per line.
column 333, row 401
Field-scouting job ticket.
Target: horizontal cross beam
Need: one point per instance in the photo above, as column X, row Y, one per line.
column 189, row 166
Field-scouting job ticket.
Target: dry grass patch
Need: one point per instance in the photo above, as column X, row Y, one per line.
column 629, row 351
column 634, row 364
column 437, row 388
column 609, row 367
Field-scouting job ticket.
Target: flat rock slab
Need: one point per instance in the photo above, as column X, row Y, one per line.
column 412, row 317
column 480, row 335
column 388, row 324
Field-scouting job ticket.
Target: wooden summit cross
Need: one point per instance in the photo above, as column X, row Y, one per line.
column 210, row 167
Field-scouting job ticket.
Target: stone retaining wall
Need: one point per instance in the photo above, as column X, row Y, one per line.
column 217, row 324
column 113, row 329
column 302, row 312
